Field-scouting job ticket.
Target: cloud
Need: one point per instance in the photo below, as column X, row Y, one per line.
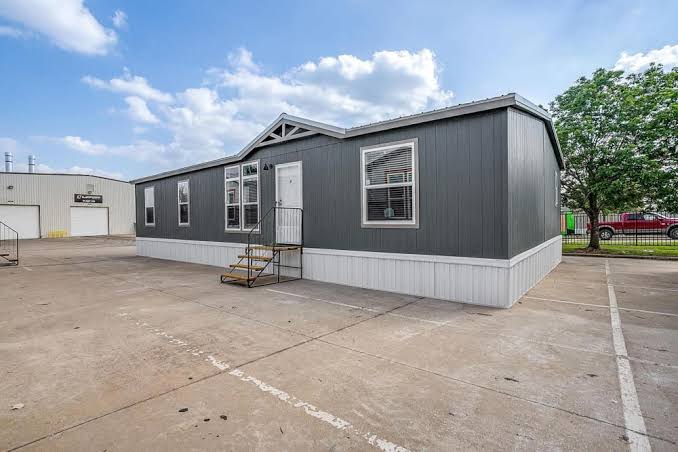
column 21, row 153
column 344, row 90
column 119, row 19
column 140, row 150
column 666, row 56
column 12, row 32
column 138, row 110
column 236, row 102
column 129, row 84
column 67, row 23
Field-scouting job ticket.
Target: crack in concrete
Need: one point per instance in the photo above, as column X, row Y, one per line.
column 169, row 391
column 309, row 339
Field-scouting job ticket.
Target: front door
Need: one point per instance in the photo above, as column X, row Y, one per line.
column 289, row 200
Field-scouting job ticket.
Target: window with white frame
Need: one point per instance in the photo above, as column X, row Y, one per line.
column 183, row 200
column 557, row 188
column 242, row 196
column 149, row 206
column 389, row 185
column 232, row 180
column 250, row 194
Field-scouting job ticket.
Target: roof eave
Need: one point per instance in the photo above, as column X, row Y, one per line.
column 505, row 101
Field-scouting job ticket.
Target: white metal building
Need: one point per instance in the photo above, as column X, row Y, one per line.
column 63, row 205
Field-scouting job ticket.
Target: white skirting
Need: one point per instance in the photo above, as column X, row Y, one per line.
column 488, row 282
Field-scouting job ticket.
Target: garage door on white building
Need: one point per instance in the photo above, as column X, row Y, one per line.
column 23, row 219
column 89, row 221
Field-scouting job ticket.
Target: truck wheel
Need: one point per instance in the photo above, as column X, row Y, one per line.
column 606, row 234
column 673, row 233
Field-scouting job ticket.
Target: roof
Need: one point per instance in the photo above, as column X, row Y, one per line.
column 65, row 174
column 269, row 136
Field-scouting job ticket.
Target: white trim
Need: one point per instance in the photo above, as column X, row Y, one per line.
column 413, row 143
column 241, row 202
column 227, row 204
column 488, row 282
column 243, row 178
column 188, row 202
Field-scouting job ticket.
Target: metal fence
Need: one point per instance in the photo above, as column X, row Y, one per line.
column 628, row 228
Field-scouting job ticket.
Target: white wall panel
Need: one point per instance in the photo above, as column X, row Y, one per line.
column 489, row 282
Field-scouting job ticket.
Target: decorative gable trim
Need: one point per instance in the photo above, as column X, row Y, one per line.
column 284, row 131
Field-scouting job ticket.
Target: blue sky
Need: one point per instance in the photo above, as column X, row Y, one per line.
column 128, row 88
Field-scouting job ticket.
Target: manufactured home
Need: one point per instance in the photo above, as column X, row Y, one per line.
column 460, row 204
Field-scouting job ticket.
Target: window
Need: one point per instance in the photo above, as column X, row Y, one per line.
column 232, row 178
column 557, row 180
column 250, row 195
column 183, row 199
column 149, row 205
column 389, row 185
column 242, row 196
column 648, row 217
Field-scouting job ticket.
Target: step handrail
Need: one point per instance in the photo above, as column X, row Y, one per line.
column 258, row 230
column 14, row 240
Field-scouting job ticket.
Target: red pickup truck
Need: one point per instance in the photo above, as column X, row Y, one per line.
column 638, row 223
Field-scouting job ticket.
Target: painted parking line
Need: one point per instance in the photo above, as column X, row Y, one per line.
column 291, row 400
column 633, row 416
column 601, row 305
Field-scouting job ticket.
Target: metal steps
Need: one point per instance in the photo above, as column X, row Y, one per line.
column 273, row 251
column 255, row 258
column 273, row 247
column 245, row 266
column 236, row 277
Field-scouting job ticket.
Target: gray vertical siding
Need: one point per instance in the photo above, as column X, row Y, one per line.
column 463, row 202
column 532, row 214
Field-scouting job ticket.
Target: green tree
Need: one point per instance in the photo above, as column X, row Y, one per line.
column 618, row 135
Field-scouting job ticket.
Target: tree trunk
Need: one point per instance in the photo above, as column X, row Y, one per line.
column 594, row 240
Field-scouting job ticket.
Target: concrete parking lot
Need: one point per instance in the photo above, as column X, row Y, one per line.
column 103, row 350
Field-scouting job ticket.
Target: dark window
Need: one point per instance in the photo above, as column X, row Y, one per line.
column 183, row 213
column 233, row 217
column 251, row 212
column 385, row 204
column 150, row 215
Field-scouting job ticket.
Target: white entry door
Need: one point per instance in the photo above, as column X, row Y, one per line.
column 89, row 221
column 289, row 197
column 23, row 219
